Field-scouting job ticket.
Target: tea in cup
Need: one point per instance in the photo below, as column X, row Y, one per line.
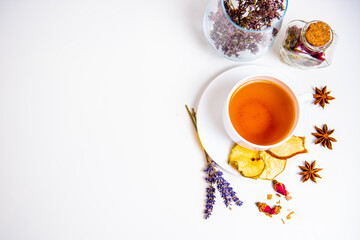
column 260, row 112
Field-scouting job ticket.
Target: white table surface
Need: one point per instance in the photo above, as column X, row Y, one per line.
column 95, row 142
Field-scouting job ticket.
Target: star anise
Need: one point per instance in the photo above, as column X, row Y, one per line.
column 323, row 136
column 310, row 172
column 322, row 96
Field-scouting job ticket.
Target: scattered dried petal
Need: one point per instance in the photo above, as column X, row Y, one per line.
column 269, row 196
column 289, row 215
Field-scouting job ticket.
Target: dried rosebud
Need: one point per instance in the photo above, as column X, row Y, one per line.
column 275, row 210
column 280, row 188
column 263, row 207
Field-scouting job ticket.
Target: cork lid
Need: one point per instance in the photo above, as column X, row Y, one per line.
column 318, row 34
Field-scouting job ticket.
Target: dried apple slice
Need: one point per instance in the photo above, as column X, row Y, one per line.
column 295, row 145
column 274, row 166
column 247, row 162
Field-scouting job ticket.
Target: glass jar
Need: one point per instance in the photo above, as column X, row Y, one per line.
column 234, row 42
column 296, row 50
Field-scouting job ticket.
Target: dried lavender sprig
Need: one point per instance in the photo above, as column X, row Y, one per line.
column 210, row 201
column 223, row 186
column 215, row 177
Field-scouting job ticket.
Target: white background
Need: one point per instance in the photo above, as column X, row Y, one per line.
column 95, row 142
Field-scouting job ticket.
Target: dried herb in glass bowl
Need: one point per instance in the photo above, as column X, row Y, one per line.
column 254, row 14
column 243, row 30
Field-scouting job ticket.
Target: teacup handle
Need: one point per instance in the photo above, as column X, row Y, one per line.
column 305, row 97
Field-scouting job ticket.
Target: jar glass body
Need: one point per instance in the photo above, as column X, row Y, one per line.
column 234, row 42
column 296, row 51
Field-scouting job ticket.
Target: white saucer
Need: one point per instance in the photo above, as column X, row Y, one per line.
column 209, row 113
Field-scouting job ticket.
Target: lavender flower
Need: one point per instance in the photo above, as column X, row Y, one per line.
column 210, row 201
column 215, row 177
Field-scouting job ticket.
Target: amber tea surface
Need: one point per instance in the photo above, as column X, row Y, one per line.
column 262, row 112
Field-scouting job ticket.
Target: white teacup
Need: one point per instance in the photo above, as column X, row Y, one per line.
column 229, row 127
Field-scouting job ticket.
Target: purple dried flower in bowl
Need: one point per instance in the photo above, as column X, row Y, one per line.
column 243, row 30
